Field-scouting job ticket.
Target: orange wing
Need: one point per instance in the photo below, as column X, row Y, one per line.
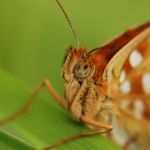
column 133, row 95
column 124, row 66
column 134, row 79
column 101, row 56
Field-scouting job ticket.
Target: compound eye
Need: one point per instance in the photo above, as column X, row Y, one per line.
column 83, row 69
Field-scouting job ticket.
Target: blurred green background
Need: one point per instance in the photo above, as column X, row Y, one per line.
column 34, row 34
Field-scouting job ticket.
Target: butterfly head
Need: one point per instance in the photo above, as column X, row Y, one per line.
column 78, row 73
column 79, row 64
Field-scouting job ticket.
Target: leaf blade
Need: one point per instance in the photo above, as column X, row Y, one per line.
column 45, row 122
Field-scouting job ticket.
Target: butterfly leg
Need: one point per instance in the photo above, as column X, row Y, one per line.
column 27, row 104
column 94, row 123
column 86, row 120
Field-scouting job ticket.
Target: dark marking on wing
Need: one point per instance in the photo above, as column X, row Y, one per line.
column 101, row 56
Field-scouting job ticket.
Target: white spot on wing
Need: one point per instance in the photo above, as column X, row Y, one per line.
column 118, row 133
column 135, row 58
column 146, row 82
column 125, row 87
column 122, row 136
column 138, row 109
column 122, row 76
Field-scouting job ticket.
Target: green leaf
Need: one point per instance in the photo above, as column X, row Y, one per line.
column 9, row 142
column 43, row 124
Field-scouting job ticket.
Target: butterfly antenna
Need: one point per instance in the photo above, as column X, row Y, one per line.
column 70, row 24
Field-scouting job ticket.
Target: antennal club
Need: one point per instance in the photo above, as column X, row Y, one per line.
column 70, row 24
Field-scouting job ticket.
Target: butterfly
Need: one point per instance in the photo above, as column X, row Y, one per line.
column 107, row 88
column 109, row 84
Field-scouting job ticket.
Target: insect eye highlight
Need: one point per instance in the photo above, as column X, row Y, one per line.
column 83, row 69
